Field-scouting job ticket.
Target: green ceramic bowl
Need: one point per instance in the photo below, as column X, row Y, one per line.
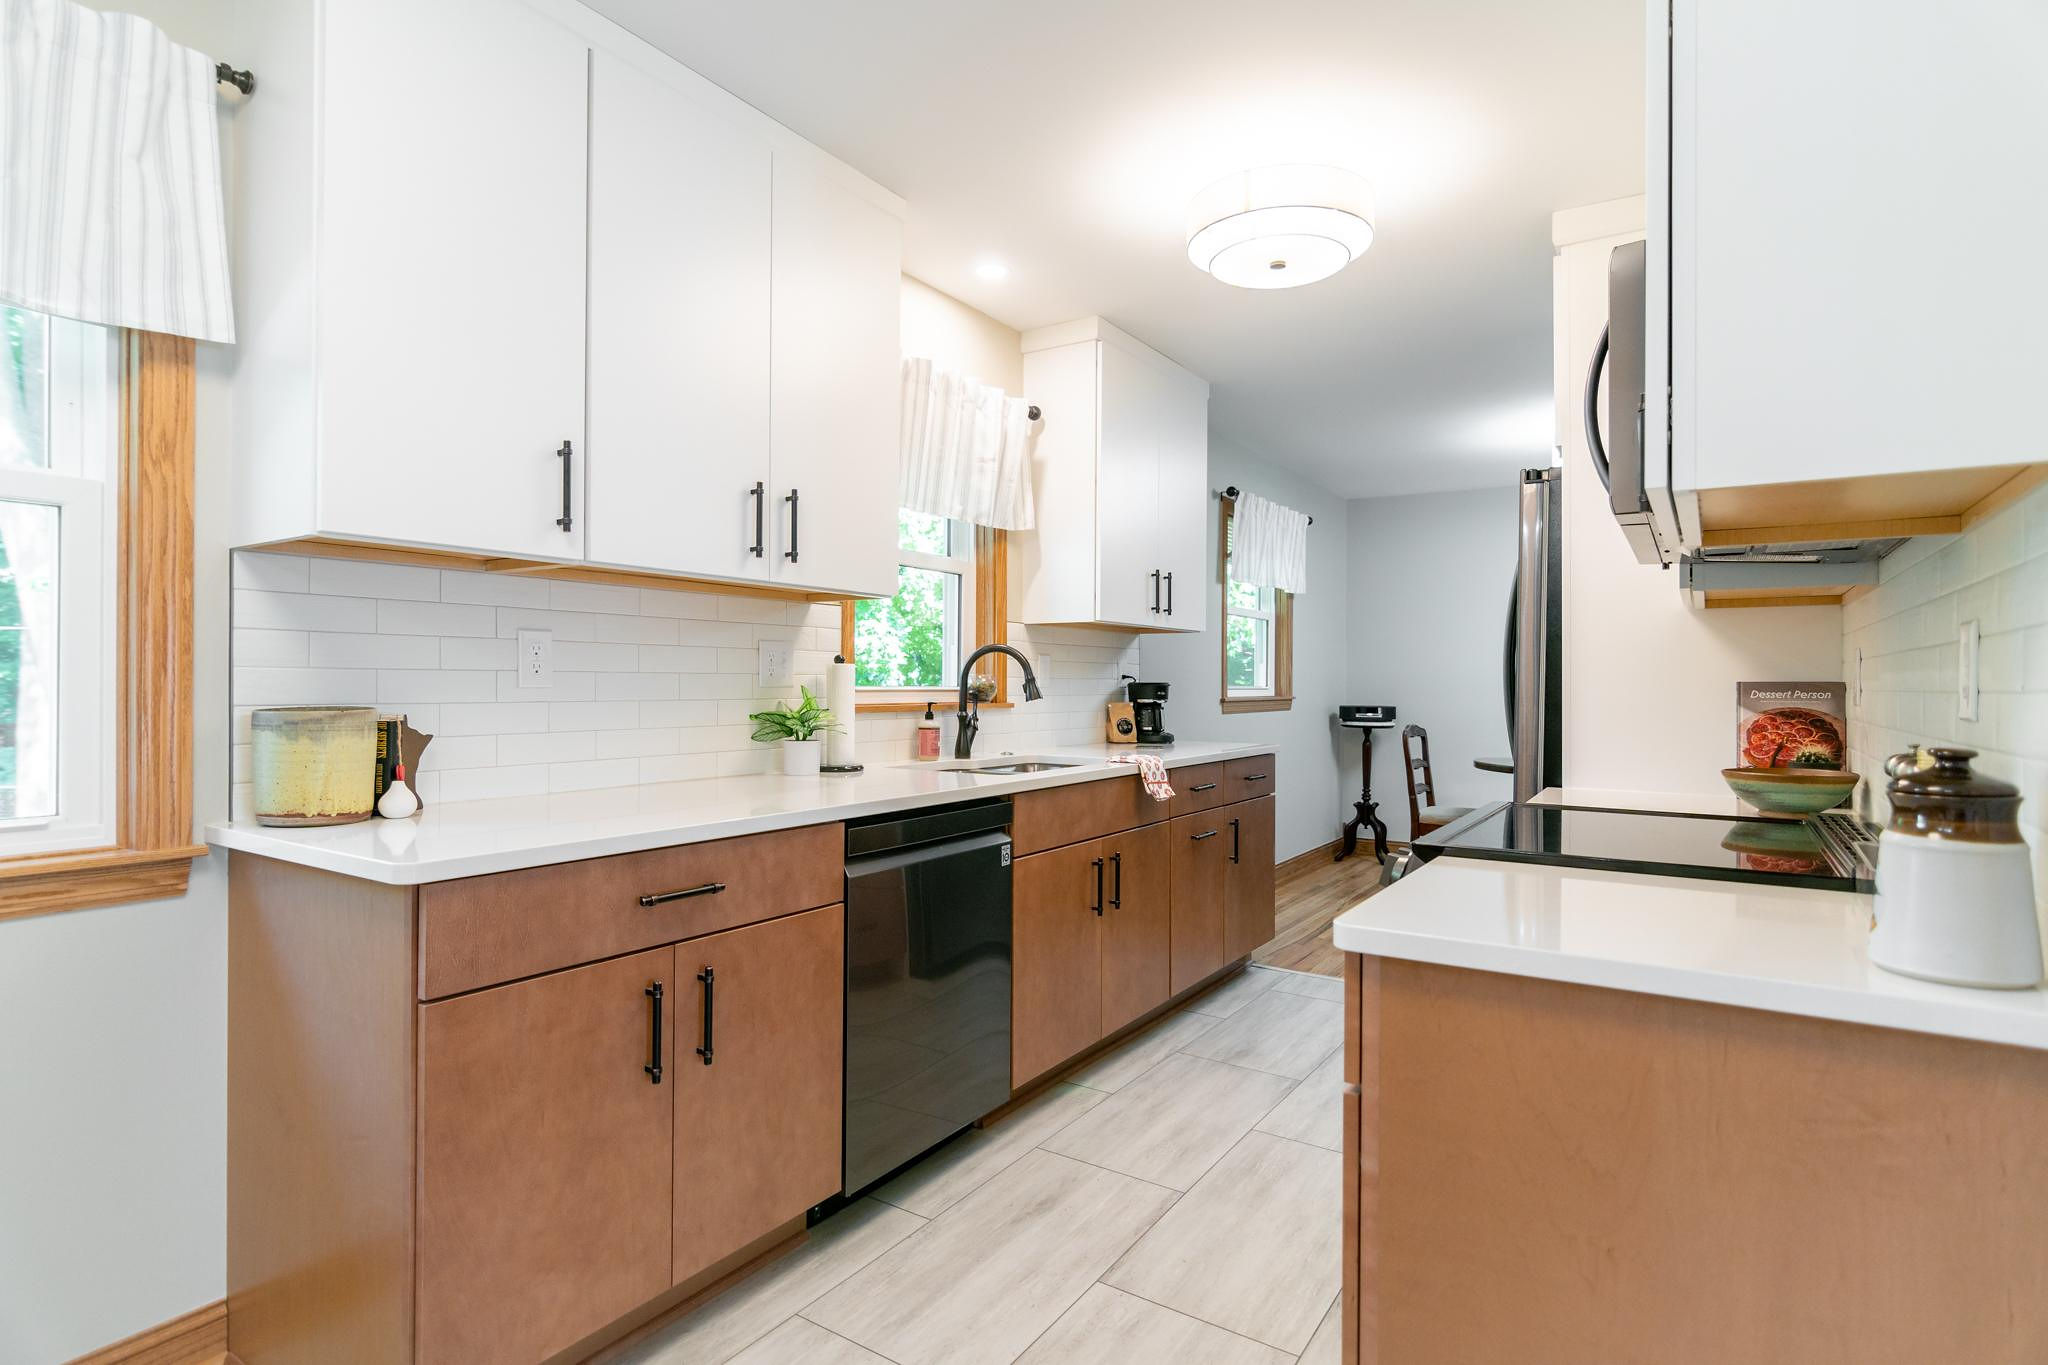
column 1790, row 791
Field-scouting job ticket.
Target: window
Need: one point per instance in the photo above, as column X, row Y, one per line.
column 916, row 639
column 908, row 649
column 1258, row 639
column 58, row 451
column 96, row 444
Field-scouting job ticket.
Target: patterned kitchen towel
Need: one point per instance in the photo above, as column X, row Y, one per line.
column 1152, row 770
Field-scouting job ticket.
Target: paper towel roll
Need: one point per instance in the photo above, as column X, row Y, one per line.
column 839, row 748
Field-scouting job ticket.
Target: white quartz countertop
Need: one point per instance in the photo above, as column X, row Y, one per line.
column 471, row 838
column 1785, row 949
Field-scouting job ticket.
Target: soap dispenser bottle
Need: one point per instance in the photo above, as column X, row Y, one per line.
column 928, row 736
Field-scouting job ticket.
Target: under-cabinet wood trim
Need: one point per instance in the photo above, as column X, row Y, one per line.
column 336, row 547
column 151, row 858
column 1869, row 507
column 188, row 1339
column 991, row 626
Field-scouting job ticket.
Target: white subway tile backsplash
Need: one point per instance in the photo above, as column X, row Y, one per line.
column 301, row 611
column 435, row 618
column 304, row 686
column 270, row 573
column 363, row 578
column 493, row 589
column 599, row 597
column 435, row 685
column 593, row 715
column 567, row 747
column 604, row 772
column 275, row 648
column 471, row 652
column 494, row 718
column 651, row 685
column 346, row 650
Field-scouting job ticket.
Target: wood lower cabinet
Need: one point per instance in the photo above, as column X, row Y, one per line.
column 544, row 1161
column 1200, row 852
column 1248, row 880
column 759, row 1032
column 1137, row 925
column 1056, row 957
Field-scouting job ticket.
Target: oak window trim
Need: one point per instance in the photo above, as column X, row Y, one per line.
column 1281, row 698
column 991, row 627
column 151, row 856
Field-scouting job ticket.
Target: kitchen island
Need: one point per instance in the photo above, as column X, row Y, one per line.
column 510, row 1079
column 1597, row 1116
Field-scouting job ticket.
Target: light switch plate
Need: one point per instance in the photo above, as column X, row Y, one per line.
column 1967, row 643
column 777, row 668
column 536, row 658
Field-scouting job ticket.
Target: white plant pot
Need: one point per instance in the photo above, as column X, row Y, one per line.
column 800, row 757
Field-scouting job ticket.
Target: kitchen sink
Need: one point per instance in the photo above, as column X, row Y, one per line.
column 1005, row 764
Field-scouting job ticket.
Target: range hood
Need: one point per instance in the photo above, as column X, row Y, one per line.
column 1783, row 573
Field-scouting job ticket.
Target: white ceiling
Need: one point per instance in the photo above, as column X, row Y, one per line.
column 1066, row 139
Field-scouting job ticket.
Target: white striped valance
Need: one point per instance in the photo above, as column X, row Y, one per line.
column 966, row 449
column 112, row 212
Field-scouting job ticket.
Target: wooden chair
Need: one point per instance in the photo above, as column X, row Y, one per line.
column 1424, row 814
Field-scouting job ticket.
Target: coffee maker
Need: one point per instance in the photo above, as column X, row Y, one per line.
column 1148, row 707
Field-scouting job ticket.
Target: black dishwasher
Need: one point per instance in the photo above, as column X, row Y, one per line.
column 927, row 982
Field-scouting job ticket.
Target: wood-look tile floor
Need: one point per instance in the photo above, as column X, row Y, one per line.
column 1176, row 1200
column 1310, row 892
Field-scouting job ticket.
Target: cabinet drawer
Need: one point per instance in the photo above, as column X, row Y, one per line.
column 1085, row 810
column 482, row 930
column 1245, row 778
column 1199, row 788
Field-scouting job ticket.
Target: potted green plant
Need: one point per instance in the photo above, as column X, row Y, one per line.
column 797, row 729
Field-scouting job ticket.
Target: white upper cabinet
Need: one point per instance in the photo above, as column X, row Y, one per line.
column 513, row 284
column 837, row 360
column 415, row 222
column 1849, row 223
column 679, row 378
column 1121, row 484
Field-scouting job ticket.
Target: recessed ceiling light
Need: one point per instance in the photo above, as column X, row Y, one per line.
column 1280, row 226
column 992, row 270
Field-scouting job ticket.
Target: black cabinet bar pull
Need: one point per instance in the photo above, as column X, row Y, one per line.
column 1155, row 590
column 1236, row 841
column 705, row 1051
column 1202, row 787
column 653, row 1068
column 1256, row 777
column 664, row 897
column 1169, row 594
column 790, row 553
column 1205, row 834
column 567, row 455
column 1098, row 886
column 1116, row 897
column 760, row 545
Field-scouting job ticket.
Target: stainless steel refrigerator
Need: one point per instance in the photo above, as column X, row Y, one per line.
column 1533, row 656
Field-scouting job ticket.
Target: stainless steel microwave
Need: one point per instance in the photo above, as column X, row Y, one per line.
column 1618, row 454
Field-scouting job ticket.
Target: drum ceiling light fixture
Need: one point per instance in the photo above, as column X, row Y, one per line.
column 1280, row 226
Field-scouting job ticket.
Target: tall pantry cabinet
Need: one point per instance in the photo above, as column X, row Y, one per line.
column 1122, row 484
column 560, row 301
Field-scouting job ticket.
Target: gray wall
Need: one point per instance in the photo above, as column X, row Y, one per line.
column 1429, row 582
column 1308, row 752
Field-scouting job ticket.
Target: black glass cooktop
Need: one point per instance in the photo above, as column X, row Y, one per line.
column 1781, row 852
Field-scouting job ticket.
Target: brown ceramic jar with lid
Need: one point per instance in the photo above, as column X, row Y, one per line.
column 1955, row 890
column 1949, row 800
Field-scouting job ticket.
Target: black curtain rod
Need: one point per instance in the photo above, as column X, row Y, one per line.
column 1231, row 493
column 244, row 81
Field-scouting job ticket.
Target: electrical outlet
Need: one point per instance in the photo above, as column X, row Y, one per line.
column 536, row 658
column 1966, row 671
column 778, row 663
